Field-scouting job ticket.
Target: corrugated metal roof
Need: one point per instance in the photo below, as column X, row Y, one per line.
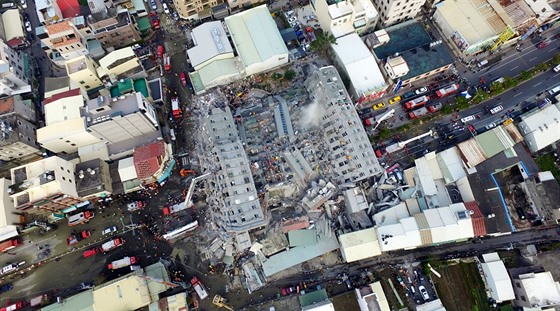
column 302, row 237
column 425, row 176
column 451, row 165
column 409, row 176
column 471, row 152
column 494, row 141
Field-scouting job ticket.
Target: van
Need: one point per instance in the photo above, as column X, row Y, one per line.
column 555, row 90
column 499, row 80
column 482, row 63
column 468, row 119
column 496, row 109
column 172, row 134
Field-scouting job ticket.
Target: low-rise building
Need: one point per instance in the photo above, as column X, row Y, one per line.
column 423, row 56
column 359, row 245
column 15, row 73
column 44, row 186
column 195, row 10
column 47, row 11
column 153, row 163
column 536, row 290
column 392, row 12
column 351, row 154
column 112, row 25
column 17, row 129
column 8, row 217
column 540, row 127
column 356, row 62
column 12, row 30
column 93, row 179
column 497, row 278
column 372, row 298
column 316, row 301
column 82, row 72
column 340, row 18
column 257, row 40
column 120, row 64
column 64, row 40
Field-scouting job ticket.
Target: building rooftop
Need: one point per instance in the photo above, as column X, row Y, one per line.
column 53, row 84
column 359, row 63
column 128, row 85
column 540, row 127
column 66, row 94
column 148, row 159
column 69, row 8
column 314, row 298
column 404, row 36
column 479, row 225
column 541, row 289
column 372, row 298
column 497, row 277
column 89, row 177
column 210, row 40
column 13, row 27
column 255, row 35
column 103, row 108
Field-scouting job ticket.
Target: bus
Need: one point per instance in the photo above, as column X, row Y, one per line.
column 80, row 218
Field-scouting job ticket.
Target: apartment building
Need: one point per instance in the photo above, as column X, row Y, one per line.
column 47, row 11
column 112, row 25
column 64, row 41
column 395, row 11
column 14, row 71
column 195, row 9
column 44, row 186
column 82, row 72
column 17, row 129
column 351, row 153
column 12, row 30
column 234, row 196
column 65, row 128
column 340, row 18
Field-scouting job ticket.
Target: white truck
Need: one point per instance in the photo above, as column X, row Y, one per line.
column 124, row 262
column 199, row 288
column 112, row 244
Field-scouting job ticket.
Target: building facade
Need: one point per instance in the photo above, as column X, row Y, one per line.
column 234, row 196
column 195, row 9
column 64, row 41
column 112, row 25
column 350, row 154
column 120, row 64
column 14, row 71
column 83, row 74
column 395, row 11
column 17, row 129
column 340, row 18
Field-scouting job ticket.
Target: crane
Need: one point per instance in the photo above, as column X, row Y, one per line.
column 220, row 302
column 194, row 181
column 398, row 146
column 383, row 117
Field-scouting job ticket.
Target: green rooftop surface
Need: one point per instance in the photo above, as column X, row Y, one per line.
column 313, row 297
column 411, row 41
column 143, row 24
column 127, row 85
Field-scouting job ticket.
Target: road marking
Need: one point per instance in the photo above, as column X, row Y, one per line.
column 537, row 84
column 532, row 59
column 552, row 49
column 512, row 69
column 517, row 94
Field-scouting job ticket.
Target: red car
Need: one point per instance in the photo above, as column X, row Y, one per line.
column 154, row 19
column 288, row 290
column 160, row 51
column 85, row 234
column 91, row 252
column 183, row 79
column 542, row 44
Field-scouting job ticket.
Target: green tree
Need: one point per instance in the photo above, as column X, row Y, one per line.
column 384, row 133
column 542, row 67
column 497, row 88
column 322, row 43
column 446, row 109
column 461, row 101
column 276, row 76
column 526, row 75
column 556, row 59
column 510, row 82
column 289, row 75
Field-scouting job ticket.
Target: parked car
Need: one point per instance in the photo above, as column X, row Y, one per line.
column 288, row 290
column 421, row 90
column 490, row 126
column 134, row 206
column 408, row 95
column 542, row 44
column 394, row 100
column 91, row 252
column 28, row 26
column 557, row 68
column 160, row 50
column 378, row 106
column 6, row 288
column 155, row 20
column 153, row 4
column 166, row 8
column 496, row 109
column 109, row 230
column 183, row 77
column 84, row 286
column 424, row 292
column 468, row 119
column 23, row 4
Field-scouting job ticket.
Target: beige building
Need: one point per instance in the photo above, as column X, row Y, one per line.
column 63, row 41
column 120, row 64
column 112, row 25
column 195, row 9
column 344, row 17
column 44, row 186
column 8, row 216
column 537, row 290
column 17, row 129
column 83, row 74
column 65, row 128
column 371, row 297
column 396, row 11
column 47, row 11
column 14, row 71
column 12, row 30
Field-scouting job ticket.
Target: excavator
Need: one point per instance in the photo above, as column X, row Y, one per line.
column 185, row 172
column 220, row 302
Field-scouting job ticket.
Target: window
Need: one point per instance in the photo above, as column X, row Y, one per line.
column 82, row 82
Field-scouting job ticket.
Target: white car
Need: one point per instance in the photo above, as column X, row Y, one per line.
column 421, row 90
column 28, row 26
column 23, row 4
column 424, row 292
column 490, row 126
column 109, row 230
column 153, row 4
column 166, row 8
column 496, row 109
column 557, row 68
column 468, row 119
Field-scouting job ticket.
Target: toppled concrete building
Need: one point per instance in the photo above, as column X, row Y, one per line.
column 350, row 152
column 232, row 191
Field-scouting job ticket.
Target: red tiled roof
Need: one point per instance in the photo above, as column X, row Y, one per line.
column 6, row 105
column 479, row 226
column 69, row 8
column 58, row 96
column 147, row 159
